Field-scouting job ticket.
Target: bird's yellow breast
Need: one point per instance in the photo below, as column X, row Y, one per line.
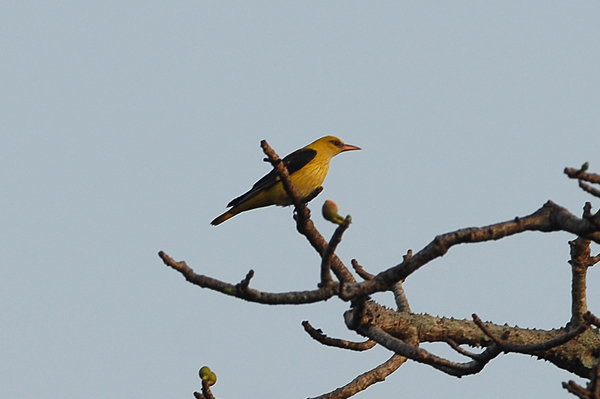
column 306, row 180
column 311, row 176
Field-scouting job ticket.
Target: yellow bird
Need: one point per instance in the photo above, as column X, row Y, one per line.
column 308, row 167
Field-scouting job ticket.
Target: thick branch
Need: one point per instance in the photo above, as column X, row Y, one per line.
column 576, row 354
column 550, row 217
column 422, row 356
column 580, row 261
column 478, row 361
column 242, row 290
column 507, row 346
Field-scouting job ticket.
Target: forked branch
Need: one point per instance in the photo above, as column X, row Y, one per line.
column 303, row 222
column 550, row 217
column 243, row 291
column 581, row 176
column 396, row 331
column 574, row 348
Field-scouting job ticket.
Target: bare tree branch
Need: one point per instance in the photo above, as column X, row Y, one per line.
column 398, row 290
column 580, row 261
column 582, row 175
column 581, row 343
column 319, row 336
column 478, row 361
column 593, row 389
column 400, row 298
column 573, row 348
column 329, row 251
column 507, row 346
column 497, row 340
column 361, row 271
column 589, row 189
column 422, row 356
column 591, row 319
column 550, row 217
column 462, row 351
column 242, row 291
column 577, row 390
column 365, row 380
column 206, row 390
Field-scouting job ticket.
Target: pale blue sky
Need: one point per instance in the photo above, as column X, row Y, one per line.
column 126, row 128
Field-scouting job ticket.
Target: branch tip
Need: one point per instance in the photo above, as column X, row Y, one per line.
column 319, row 336
column 361, row 271
column 246, row 281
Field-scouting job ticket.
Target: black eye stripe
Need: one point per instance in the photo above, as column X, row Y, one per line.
column 336, row 143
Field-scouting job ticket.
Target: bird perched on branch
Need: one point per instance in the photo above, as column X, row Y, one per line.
column 307, row 166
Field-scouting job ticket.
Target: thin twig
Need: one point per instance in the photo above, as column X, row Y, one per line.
column 594, row 260
column 593, row 386
column 593, row 389
column 330, row 251
column 576, row 390
column 591, row 319
column 398, row 290
column 400, row 297
column 498, row 340
column 462, row 351
column 243, row 285
column 206, row 390
column 589, row 189
column 361, row 271
column 580, row 175
column 319, row 336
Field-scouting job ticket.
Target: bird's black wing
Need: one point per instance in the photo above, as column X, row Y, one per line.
column 294, row 162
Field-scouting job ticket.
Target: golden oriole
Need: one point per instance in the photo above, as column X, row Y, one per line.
column 308, row 167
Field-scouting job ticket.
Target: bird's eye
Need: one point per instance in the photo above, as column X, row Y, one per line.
column 336, row 143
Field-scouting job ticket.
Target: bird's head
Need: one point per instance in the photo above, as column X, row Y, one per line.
column 332, row 145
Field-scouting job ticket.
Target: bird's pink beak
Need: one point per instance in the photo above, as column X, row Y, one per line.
column 349, row 147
